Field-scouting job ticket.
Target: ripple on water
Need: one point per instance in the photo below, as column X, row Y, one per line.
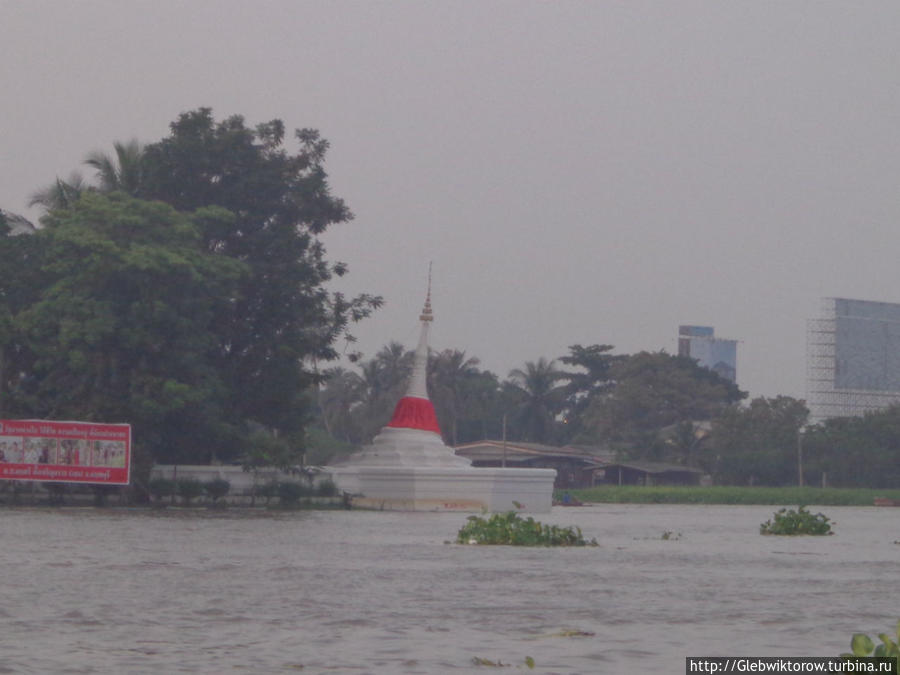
column 240, row 591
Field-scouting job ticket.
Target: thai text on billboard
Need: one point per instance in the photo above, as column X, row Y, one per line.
column 66, row 452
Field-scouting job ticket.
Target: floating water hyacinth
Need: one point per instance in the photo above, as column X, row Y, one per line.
column 510, row 529
column 793, row 522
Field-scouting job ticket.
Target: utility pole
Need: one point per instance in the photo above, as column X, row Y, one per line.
column 503, row 464
column 800, row 457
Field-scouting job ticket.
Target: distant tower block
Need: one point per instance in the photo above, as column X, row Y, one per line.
column 852, row 358
column 717, row 354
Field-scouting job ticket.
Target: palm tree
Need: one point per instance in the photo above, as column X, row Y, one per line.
column 542, row 397
column 339, row 395
column 124, row 172
column 60, row 194
column 394, row 364
column 448, row 373
column 383, row 381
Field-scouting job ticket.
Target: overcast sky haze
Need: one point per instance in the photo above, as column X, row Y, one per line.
column 579, row 172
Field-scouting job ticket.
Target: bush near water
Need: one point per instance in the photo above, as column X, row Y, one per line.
column 510, row 529
column 801, row 521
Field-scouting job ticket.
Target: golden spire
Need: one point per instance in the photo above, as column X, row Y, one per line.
column 426, row 311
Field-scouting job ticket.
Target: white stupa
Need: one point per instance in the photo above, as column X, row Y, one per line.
column 409, row 468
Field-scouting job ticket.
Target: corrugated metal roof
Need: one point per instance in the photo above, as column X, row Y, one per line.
column 653, row 467
column 518, row 451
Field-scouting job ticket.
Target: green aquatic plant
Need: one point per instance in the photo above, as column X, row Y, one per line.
column 510, row 529
column 572, row 632
column 801, row 521
column 480, row 661
column 862, row 645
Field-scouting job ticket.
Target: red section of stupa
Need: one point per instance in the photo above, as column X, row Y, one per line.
column 415, row 413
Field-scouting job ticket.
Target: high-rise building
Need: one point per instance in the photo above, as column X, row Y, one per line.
column 717, row 354
column 852, row 358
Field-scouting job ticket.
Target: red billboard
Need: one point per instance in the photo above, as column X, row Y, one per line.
column 66, row 452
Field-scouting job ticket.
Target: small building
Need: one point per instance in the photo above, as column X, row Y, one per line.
column 575, row 465
column 646, row 473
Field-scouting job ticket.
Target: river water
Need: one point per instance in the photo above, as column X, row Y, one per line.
column 240, row 591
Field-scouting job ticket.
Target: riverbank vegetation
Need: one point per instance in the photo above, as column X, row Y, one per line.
column 649, row 406
column 722, row 494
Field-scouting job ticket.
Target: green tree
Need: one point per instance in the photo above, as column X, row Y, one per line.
column 384, row 378
column 20, row 282
column 655, row 390
column 449, row 373
column 60, row 194
column 122, row 327
column 757, row 444
column 585, row 386
column 856, row 451
column 541, row 399
column 340, row 394
column 484, row 403
column 281, row 317
column 124, row 172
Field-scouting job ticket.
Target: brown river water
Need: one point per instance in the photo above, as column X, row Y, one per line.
column 240, row 591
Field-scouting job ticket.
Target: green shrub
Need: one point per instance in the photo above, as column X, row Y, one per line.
column 266, row 491
column 290, row 493
column 862, row 645
column 217, row 488
column 326, row 488
column 161, row 488
column 793, row 522
column 188, row 489
column 510, row 529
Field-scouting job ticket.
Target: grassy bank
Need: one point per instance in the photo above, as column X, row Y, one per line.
column 723, row 494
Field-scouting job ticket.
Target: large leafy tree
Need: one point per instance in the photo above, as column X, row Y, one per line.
column 758, row 443
column 855, row 451
column 588, row 383
column 281, row 316
column 20, row 281
column 122, row 329
column 652, row 391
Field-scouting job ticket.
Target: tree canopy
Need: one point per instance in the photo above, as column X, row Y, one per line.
column 202, row 304
column 122, row 328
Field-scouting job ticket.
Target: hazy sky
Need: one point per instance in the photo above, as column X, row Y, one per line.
column 579, row 172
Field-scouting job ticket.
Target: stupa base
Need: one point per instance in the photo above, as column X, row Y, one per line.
column 448, row 488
